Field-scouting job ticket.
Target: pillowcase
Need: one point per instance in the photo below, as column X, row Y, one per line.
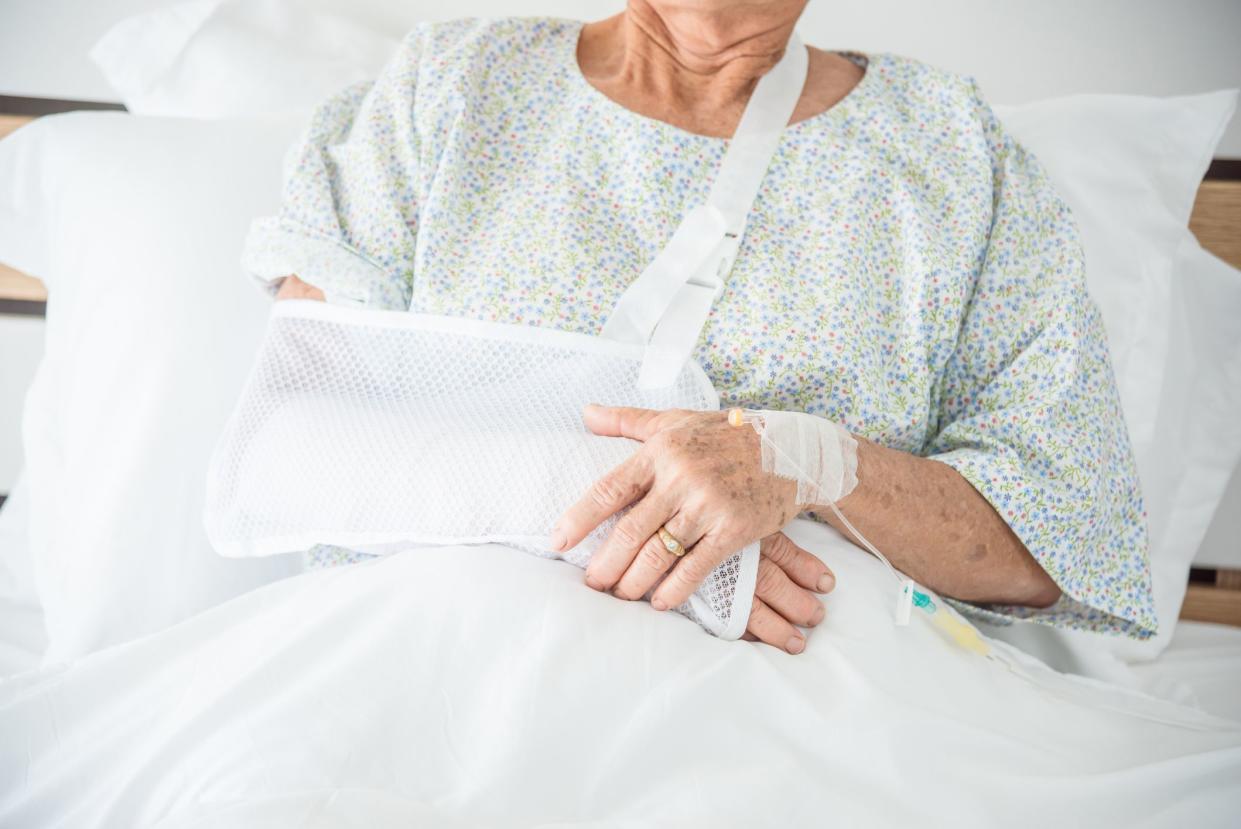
column 226, row 58
column 1129, row 168
column 1198, row 430
column 136, row 225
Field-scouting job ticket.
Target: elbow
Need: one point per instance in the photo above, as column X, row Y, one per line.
column 1021, row 583
column 1039, row 590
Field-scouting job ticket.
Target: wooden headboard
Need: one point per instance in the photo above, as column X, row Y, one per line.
column 1213, row 595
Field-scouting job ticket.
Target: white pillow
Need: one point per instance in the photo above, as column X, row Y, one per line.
column 1129, row 168
column 136, row 226
column 1198, row 427
column 224, row 58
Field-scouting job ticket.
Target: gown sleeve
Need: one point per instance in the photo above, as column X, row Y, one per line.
column 1029, row 413
column 349, row 213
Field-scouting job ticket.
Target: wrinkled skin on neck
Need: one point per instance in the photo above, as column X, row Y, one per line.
column 694, row 64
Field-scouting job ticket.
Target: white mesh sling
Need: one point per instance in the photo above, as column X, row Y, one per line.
column 380, row 430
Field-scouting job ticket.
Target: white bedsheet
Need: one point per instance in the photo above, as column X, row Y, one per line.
column 480, row 685
column 1201, row 667
column 22, row 636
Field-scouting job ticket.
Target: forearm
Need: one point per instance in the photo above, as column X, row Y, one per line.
column 934, row 526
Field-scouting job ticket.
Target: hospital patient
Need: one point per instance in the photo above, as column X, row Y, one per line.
column 907, row 271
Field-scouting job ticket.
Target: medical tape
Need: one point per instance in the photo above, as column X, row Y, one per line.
column 821, row 457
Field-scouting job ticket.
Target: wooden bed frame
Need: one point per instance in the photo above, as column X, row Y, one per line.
column 1212, row 595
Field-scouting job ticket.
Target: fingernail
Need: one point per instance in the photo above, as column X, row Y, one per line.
column 558, row 540
column 796, row 644
column 826, row 582
column 659, row 604
column 817, row 616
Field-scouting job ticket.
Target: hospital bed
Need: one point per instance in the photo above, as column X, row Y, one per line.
column 242, row 677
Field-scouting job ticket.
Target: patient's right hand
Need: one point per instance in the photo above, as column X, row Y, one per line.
column 784, row 595
column 293, row 288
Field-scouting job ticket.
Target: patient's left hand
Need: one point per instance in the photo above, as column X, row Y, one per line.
column 702, row 480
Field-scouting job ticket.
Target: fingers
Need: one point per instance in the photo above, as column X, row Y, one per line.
column 631, row 534
column 801, row 566
column 639, row 424
column 653, row 558
column 796, row 604
column 606, row 496
column 690, row 571
column 622, row 421
column 770, row 627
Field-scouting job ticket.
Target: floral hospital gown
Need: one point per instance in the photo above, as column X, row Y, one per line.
column 908, row 270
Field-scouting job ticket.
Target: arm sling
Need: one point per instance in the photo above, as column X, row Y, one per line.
column 385, row 430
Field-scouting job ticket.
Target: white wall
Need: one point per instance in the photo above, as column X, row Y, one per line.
column 1020, row 50
column 1222, row 545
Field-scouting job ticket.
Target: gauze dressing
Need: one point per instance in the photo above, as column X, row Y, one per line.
column 821, row 456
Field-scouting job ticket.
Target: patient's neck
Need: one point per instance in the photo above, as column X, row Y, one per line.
column 694, row 66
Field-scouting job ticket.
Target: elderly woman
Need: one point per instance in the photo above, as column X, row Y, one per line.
column 907, row 271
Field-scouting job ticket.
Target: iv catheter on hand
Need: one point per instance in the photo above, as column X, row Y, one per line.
column 821, row 457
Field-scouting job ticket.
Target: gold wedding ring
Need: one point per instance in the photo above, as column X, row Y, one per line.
column 670, row 542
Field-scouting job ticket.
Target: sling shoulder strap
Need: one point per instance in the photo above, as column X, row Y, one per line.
column 667, row 306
